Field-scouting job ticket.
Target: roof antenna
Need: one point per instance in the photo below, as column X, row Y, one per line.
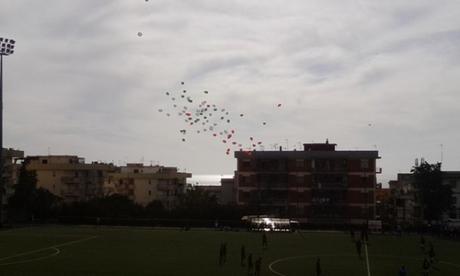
column 442, row 152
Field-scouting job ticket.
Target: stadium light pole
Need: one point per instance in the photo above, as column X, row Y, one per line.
column 6, row 49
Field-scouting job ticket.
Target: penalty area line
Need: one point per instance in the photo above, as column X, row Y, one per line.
column 56, row 252
column 55, row 247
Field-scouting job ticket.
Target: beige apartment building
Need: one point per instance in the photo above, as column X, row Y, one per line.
column 68, row 176
column 144, row 184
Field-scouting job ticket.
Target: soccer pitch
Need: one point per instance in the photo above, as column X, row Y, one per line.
column 65, row 250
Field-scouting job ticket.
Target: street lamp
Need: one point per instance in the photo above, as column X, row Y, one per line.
column 6, row 49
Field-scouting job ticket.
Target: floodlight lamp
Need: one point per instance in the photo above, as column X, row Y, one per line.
column 6, row 46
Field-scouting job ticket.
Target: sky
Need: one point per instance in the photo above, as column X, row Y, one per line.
column 88, row 78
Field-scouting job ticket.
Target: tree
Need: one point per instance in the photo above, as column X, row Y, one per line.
column 45, row 204
column 29, row 201
column 23, row 198
column 197, row 203
column 155, row 209
column 434, row 197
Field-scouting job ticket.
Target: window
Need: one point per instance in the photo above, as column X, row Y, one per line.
column 246, row 163
column 364, row 163
column 150, row 193
column 300, row 179
column 45, row 161
column 76, row 174
column 136, row 171
column 299, row 163
column 54, row 174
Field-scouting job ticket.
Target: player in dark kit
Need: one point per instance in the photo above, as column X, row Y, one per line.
column 243, row 255
column 426, row 267
column 221, row 254
column 250, row 264
column 318, row 267
column 264, row 241
column 257, row 266
column 359, row 246
column 402, row 271
column 224, row 253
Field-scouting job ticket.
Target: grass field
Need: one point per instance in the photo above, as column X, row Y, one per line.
column 63, row 250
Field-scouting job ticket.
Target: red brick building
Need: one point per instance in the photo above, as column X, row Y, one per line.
column 316, row 185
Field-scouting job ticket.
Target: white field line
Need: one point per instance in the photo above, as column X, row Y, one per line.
column 270, row 266
column 367, row 260
column 56, row 252
column 47, row 248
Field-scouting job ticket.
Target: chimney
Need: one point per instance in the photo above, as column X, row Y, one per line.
column 281, row 148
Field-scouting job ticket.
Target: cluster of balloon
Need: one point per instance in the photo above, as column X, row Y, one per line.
column 204, row 117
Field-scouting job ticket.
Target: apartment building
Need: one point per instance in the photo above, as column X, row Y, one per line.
column 228, row 192
column 317, row 185
column 224, row 193
column 68, row 176
column 144, row 184
column 452, row 178
column 404, row 193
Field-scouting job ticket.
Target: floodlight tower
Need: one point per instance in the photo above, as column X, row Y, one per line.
column 6, row 49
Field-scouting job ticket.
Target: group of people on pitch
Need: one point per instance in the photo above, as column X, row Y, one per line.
column 363, row 238
column 253, row 266
column 429, row 261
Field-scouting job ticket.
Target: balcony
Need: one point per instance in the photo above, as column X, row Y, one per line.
column 70, row 180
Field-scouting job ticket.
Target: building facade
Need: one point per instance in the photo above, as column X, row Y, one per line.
column 316, row 185
column 68, row 176
column 452, row 178
column 144, row 184
column 404, row 194
column 228, row 192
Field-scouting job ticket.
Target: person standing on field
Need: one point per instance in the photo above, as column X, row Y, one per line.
column 264, row 241
column 402, row 271
column 359, row 246
column 250, row 264
column 318, row 267
column 257, row 266
column 243, row 255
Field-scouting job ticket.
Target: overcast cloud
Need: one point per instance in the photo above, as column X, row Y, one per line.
column 366, row 74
